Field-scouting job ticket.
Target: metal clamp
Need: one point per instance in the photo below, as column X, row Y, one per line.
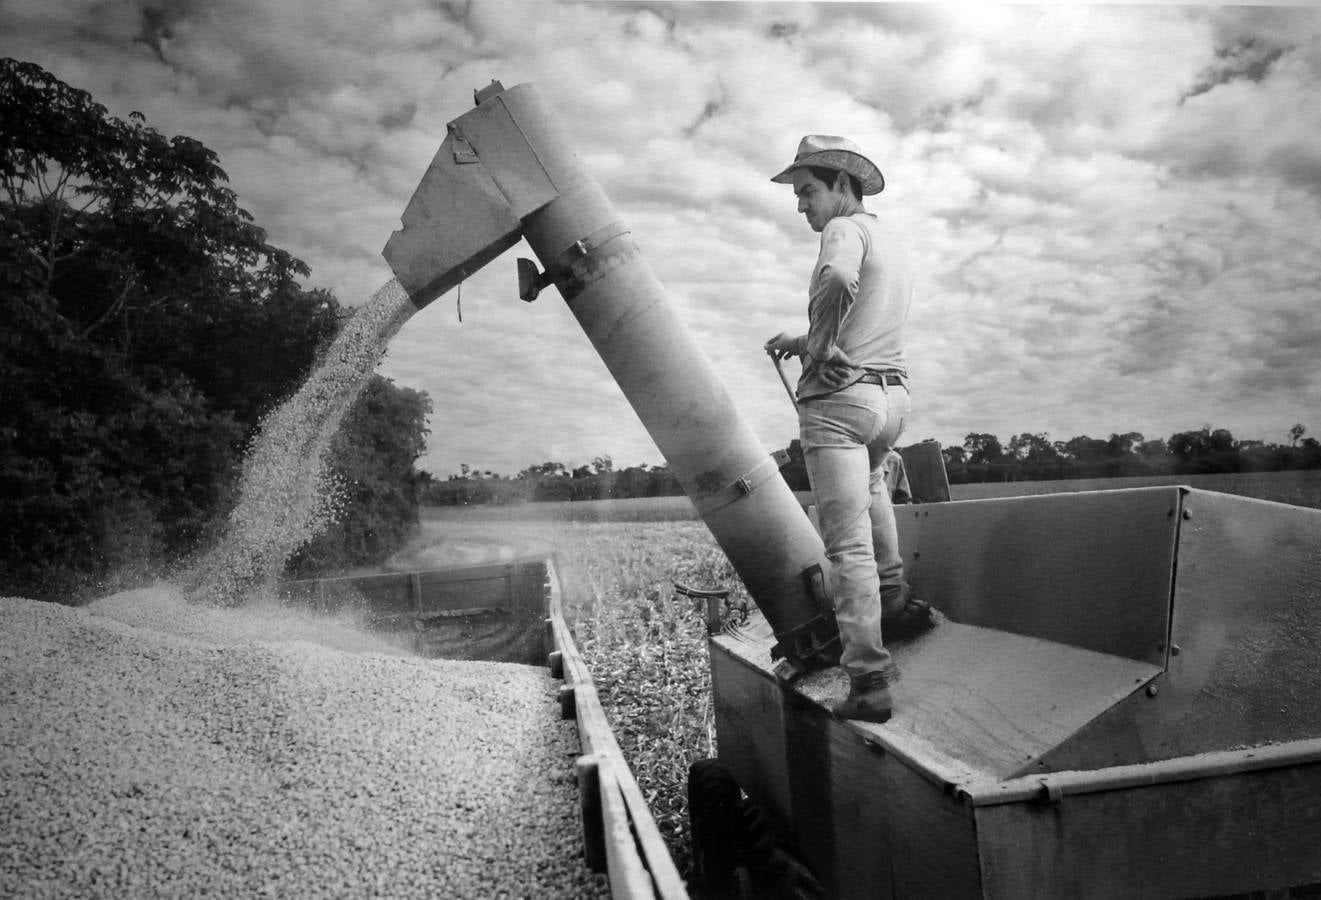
column 811, row 645
column 590, row 259
column 740, row 487
column 576, row 266
column 585, row 245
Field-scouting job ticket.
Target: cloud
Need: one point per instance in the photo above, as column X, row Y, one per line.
column 1109, row 208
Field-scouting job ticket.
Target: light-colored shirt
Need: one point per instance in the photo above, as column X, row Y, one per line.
column 859, row 297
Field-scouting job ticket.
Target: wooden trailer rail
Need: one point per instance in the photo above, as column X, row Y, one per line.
column 620, row 836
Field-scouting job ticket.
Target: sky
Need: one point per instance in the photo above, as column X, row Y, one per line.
column 1113, row 211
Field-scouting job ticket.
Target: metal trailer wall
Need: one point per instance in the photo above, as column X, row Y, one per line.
column 1125, row 702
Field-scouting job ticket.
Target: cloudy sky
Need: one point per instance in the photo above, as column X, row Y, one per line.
column 1114, row 211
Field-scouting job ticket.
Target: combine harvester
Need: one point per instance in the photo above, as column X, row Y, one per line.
column 1124, row 701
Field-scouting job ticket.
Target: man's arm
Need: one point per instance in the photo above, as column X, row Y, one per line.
column 838, row 271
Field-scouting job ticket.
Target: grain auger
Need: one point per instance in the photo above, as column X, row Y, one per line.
column 506, row 171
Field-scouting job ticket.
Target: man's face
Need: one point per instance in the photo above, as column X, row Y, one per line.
column 819, row 201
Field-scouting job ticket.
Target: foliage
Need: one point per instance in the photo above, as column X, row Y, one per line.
column 146, row 325
column 1032, row 457
column 552, row 481
column 372, row 459
column 981, row 458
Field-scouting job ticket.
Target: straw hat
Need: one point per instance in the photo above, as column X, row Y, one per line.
column 835, row 153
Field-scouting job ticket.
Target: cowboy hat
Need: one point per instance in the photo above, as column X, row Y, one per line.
column 835, row 153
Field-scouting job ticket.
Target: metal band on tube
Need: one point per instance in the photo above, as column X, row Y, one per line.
column 592, row 258
column 740, row 487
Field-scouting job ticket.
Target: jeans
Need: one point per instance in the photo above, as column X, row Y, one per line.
column 846, row 437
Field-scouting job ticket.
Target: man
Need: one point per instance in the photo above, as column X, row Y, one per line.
column 853, row 403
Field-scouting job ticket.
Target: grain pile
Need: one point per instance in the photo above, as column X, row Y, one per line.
column 154, row 748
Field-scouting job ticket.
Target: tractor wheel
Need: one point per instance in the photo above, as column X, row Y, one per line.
column 713, row 801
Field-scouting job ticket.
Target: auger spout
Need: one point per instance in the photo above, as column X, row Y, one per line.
column 506, row 170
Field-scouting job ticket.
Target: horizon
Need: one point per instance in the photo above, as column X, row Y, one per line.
column 571, row 465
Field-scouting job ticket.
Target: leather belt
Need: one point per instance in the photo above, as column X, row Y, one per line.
column 882, row 378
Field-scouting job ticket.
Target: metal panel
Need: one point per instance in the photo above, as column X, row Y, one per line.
column 996, row 701
column 750, row 729
column 864, row 821
column 1246, row 637
column 481, row 587
column 1247, row 622
column 925, row 467
column 1088, row 569
column 1208, row 837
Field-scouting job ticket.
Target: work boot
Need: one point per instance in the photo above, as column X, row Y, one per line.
column 868, row 699
column 915, row 617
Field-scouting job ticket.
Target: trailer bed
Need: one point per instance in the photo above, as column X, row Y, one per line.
column 1123, row 701
column 979, row 702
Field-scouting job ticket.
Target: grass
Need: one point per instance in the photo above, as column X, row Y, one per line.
column 646, row 645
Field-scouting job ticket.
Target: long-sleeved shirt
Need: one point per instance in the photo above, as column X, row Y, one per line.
column 859, row 297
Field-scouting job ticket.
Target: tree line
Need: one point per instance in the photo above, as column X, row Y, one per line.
column 146, row 327
column 1033, row 457
column 981, row 457
column 548, row 481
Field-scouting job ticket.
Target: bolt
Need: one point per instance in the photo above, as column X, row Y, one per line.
column 1174, row 650
column 1153, row 690
column 1187, row 514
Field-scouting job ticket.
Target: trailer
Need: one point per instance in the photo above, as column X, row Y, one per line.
column 1123, row 699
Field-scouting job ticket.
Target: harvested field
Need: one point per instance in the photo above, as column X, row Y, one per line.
column 150, row 748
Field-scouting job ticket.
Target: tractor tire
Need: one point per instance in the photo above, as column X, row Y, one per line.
column 713, row 819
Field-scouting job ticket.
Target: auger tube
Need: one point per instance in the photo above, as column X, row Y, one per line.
column 505, row 171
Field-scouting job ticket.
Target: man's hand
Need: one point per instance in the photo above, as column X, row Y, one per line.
column 838, row 370
column 782, row 345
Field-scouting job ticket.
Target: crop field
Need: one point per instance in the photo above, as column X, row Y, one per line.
column 646, row 644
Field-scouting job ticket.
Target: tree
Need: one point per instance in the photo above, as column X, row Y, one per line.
column 1032, row 447
column 1205, row 451
column 956, row 456
column 983, row 448
column 1121, row 445
column 545, row 469
column 145, row 253
column 145, row 326
column 1296, row 433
